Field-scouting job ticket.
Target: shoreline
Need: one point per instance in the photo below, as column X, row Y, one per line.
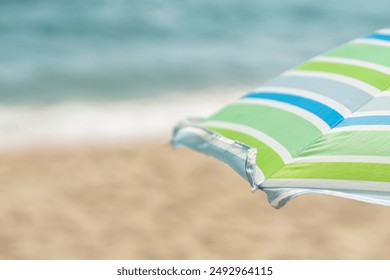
column 86, row 122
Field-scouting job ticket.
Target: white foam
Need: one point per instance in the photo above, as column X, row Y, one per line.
column 120, row 121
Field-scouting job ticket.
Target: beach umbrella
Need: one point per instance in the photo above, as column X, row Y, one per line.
column 322, row 127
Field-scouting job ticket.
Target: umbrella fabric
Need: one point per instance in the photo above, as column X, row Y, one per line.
column 322, row 127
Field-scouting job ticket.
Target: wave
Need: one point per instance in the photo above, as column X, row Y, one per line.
column 74, row 123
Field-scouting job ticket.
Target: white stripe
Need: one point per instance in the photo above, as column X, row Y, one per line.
column 327, row 184
column 340, row 108
column 384, row 31
column 266, row 139
column 371, row 42
column 360, row 128
column 360, row 63
column 369, row 113
column 259, row 175
column 340, row 78
column 316, row 121
column 385, row 93
column 366, row 159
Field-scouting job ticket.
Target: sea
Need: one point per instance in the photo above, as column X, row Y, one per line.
column 98, row 71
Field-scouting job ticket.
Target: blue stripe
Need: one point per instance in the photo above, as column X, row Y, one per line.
column 369, row 120
column 327, row 114
column 378, row 36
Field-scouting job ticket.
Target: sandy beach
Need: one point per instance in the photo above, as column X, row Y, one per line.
column 148, row 201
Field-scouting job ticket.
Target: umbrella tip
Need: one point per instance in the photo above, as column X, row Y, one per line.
column 254, row 188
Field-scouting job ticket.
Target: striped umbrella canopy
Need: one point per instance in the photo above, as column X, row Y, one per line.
column 322, row 127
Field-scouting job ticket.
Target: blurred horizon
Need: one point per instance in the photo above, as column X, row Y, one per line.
column 102, row 50
column 59, row 52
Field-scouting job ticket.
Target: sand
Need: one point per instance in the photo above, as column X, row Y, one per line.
column 148, row 201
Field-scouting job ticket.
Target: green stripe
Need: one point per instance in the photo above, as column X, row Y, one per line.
column 371, row 53
column 377, row 79
column 370, row 143
column 336, row 171
column 267, row 159
column 293, row 132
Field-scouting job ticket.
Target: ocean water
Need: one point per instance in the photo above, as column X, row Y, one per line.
column 97, row 70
